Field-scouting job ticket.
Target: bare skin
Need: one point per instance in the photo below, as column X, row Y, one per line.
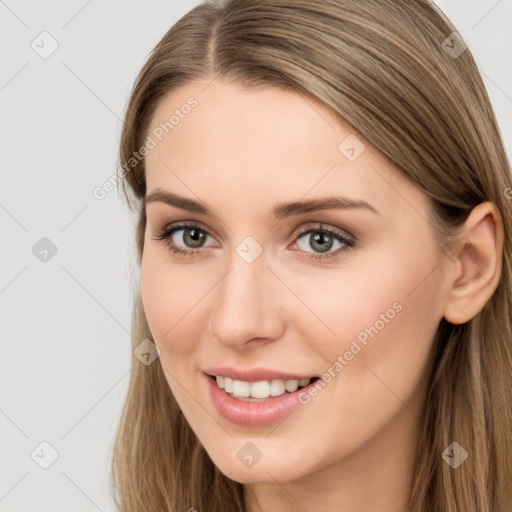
column 240, row 152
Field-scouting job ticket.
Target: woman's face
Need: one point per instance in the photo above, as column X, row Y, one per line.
column 277, row 284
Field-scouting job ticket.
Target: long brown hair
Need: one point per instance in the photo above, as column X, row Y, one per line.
column 396, row 72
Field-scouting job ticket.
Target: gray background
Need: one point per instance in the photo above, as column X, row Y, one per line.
column 65, row 355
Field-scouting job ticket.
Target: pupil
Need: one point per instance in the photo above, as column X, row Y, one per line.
column 193, row 237
column 323, row 241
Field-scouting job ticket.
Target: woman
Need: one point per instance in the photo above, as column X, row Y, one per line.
column 323, row 236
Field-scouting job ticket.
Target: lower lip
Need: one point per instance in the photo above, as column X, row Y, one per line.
column 254, row 414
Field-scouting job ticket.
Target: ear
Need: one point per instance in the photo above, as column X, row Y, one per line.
column 477, row 265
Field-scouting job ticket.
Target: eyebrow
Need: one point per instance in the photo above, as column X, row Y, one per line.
column 280, row 211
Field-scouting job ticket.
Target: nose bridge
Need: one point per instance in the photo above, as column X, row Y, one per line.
column 244, row 307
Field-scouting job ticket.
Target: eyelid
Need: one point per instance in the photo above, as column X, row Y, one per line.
column 174, row 226
column 320, row 226
column 298, row 231
column 169, row 229
column 343, row 236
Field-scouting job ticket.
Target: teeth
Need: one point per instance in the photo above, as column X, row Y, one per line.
column 228, row 384
column 241, row 388
column 277, row 387
column 260, row 389
column 291, row 385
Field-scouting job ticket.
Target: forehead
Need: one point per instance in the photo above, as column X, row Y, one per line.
column 249, row 146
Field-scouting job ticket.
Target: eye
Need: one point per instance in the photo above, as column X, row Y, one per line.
column 322, row 240
column 184, row 239
column 188, row 239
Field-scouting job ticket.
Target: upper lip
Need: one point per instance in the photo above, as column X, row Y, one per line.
column 254, row 374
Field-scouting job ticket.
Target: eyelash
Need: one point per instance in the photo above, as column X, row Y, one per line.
column 166, row 233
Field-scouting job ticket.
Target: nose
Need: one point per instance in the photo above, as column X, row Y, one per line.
column 246, row 305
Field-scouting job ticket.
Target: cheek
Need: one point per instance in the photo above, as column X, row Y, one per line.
column 384, row 323
column 168, row 300
column 156, row 296
column 378, row 307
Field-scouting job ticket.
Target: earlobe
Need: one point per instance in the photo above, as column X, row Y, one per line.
column 477, row 267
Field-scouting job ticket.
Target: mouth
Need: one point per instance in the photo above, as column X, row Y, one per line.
column 258, row 402
column 262, row 390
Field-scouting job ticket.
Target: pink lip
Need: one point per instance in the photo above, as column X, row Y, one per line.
column 254, row 374
column 254, row 414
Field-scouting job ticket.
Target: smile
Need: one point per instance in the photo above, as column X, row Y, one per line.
column 260, row 390
column 256, row 403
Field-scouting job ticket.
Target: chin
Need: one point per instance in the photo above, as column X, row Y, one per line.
column 265, row 470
